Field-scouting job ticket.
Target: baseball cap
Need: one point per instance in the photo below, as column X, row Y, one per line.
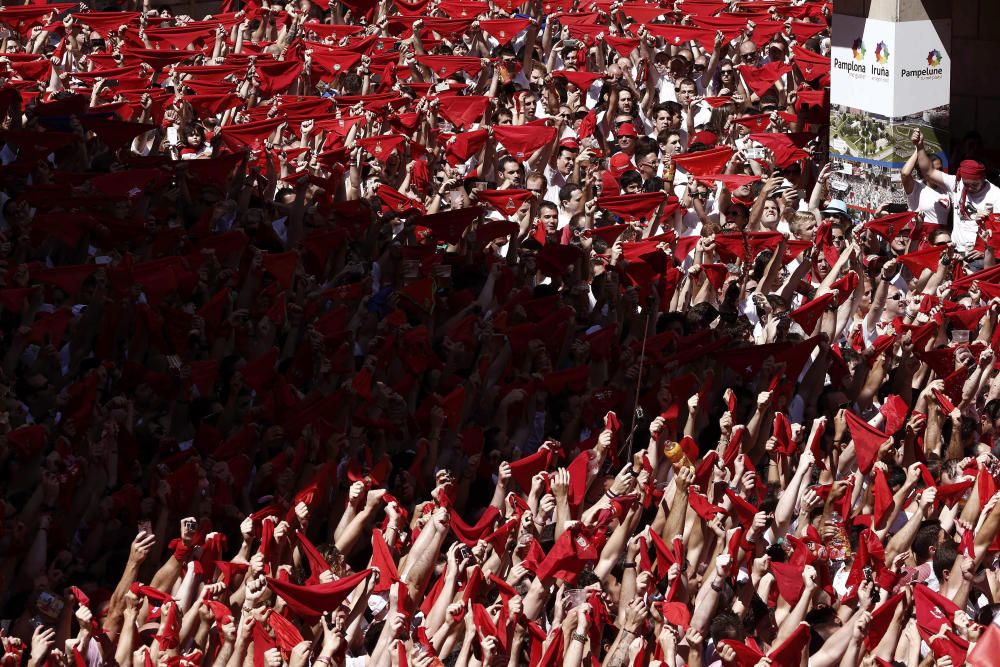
column 620, row 163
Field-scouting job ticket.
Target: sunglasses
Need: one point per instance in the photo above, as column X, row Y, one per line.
column 749, row 57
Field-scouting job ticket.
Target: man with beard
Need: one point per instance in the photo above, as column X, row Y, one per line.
column 971, row 194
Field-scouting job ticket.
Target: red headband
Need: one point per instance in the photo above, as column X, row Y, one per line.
column 970, row 170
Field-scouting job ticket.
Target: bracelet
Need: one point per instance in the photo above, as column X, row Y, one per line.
column 323, row 658
column 629, row 566
column 580, row 638
column 717, row 589
column 611, row 494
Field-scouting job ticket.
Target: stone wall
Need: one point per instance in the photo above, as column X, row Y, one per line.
column 975, row 89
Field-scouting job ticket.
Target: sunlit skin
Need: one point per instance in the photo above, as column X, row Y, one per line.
column 673, row 145
column 565, row 161
column 770, row 215
column 549, row 219
column 575, row 203
column 199, row 334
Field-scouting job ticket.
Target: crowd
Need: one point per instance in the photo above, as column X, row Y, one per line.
column 454, row 332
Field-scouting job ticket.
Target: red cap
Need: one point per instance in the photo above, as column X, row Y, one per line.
column 620, row 163
column 705, row 137
column 570, row 143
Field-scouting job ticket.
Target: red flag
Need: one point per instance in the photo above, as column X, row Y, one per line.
column 504, row 30
column 521, row 141
column 703, row 163
column 582, row 80
column 447, row 66
column 761, row 79
column 889, row 225
column 381, row 147
column 310, row 602
column 632, row 207
column 462, row 111
column 867, row 440
column 507, row 202
column 809, row 314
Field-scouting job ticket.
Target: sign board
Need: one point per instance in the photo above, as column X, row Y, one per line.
column 886, row 79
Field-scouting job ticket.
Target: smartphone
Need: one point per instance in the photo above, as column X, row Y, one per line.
column 172, row 134
column 145, row 526
column 960, row 336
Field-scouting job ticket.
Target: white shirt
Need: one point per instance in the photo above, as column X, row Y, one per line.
column 555, row 181
column 933, row 204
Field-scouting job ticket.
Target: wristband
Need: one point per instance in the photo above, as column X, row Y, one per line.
column 579, row 638
column 717, row 589
column 629, row 566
